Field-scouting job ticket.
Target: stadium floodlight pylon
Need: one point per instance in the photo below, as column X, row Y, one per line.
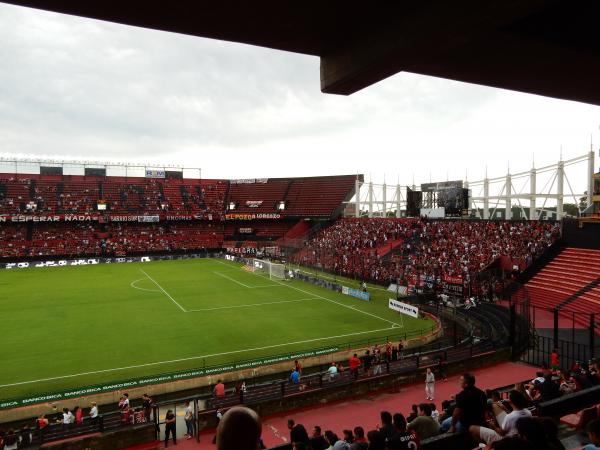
column 268, row 268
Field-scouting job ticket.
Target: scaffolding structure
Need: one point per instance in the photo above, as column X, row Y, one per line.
column 495, row 198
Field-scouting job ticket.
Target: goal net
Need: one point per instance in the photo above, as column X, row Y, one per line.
column 272, row 270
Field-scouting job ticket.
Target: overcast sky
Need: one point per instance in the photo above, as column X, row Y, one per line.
column 79, row 88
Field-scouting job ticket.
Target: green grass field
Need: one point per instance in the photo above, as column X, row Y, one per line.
column 76, row 326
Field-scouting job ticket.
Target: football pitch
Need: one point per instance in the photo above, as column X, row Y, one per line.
column 68, row 327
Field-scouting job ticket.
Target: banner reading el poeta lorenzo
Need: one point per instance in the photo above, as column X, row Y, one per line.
column 133, row 383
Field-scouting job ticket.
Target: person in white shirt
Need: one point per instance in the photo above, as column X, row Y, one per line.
column 429, row 384
column 189, row 420
column 67, row 418
column 508, row 422
column 94, row 411
column 125, row 402
column 332, row 371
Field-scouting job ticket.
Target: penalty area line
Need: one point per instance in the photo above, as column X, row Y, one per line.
column 254, row 304
column 191, row 358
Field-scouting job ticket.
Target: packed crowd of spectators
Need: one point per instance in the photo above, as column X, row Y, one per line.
column 431, row 248
column 76, row 239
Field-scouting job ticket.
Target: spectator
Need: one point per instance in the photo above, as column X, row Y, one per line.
column 94, row 411
column 348, row 437
column 189, row 420
column 554, row 361
column 41, row 423
column 424, row 425
column 435, row 414
column 360, row 442
column 297, row 431
column 11, row 440
column 78, row 415
column 147, row 406
column 354, row 364
column 414, row 413
column 219, row 416
column 386, row 429
column 470, row 406
column 376, row 440
column 219, row 390
column 298, row 367
column 170, row 428
column 240, row 429
column 508, row 422
column 403, row 439
column 67, row 418
column 367, row 362
column 549, row 390
column 317, row 441
column 331, row 439
column 332, row 371
column 295, row 376
column 593, row 429
column 429, row 384
column 125, row 400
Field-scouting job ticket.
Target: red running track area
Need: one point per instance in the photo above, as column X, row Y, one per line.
column 364, row 411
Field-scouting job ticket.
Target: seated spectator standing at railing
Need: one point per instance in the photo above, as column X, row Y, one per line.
column 219, row 390
column 94, row 412
column 354, row 364
column 470, row 407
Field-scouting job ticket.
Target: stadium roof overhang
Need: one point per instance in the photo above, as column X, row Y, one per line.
column 547, row 47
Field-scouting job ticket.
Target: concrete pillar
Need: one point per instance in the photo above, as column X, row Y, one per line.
column 398, row 201
column 533, row 196
column 560, row 179
column 486, row 198
column 384, row 199
column 357, row 190
column 508, row 197
column 370, row 199
column 590, row 180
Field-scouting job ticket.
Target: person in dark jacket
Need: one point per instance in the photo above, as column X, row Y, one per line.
column 297, row 432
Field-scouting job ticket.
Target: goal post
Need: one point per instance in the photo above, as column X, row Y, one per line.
column 268, row 268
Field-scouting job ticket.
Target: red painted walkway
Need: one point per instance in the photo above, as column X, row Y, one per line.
column 365, row 411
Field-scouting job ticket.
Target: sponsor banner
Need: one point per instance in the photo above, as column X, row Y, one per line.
column 442, row 185
column 453, row 280
column 253, row 203
column 23, row 218
column 404, row 308
column 49, row 218
column 73, row 262
column 253, row 216
column 164, row 378
column 356, row 293
column 148, row 218
column 155, row 173
column 249, row 181
column 397, row 289
column 245, row 230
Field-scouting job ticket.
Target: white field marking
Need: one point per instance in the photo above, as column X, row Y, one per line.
column 254, row 304
column 242, row 284
column 231, row 279
column 93, row 372
column 337, row 303
column 164, row 292
column 133, row 285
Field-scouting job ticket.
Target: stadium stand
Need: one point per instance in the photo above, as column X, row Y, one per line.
column 569, row 282
column 431, row 248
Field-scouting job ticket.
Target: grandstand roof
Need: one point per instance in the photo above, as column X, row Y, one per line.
column 545, row 47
